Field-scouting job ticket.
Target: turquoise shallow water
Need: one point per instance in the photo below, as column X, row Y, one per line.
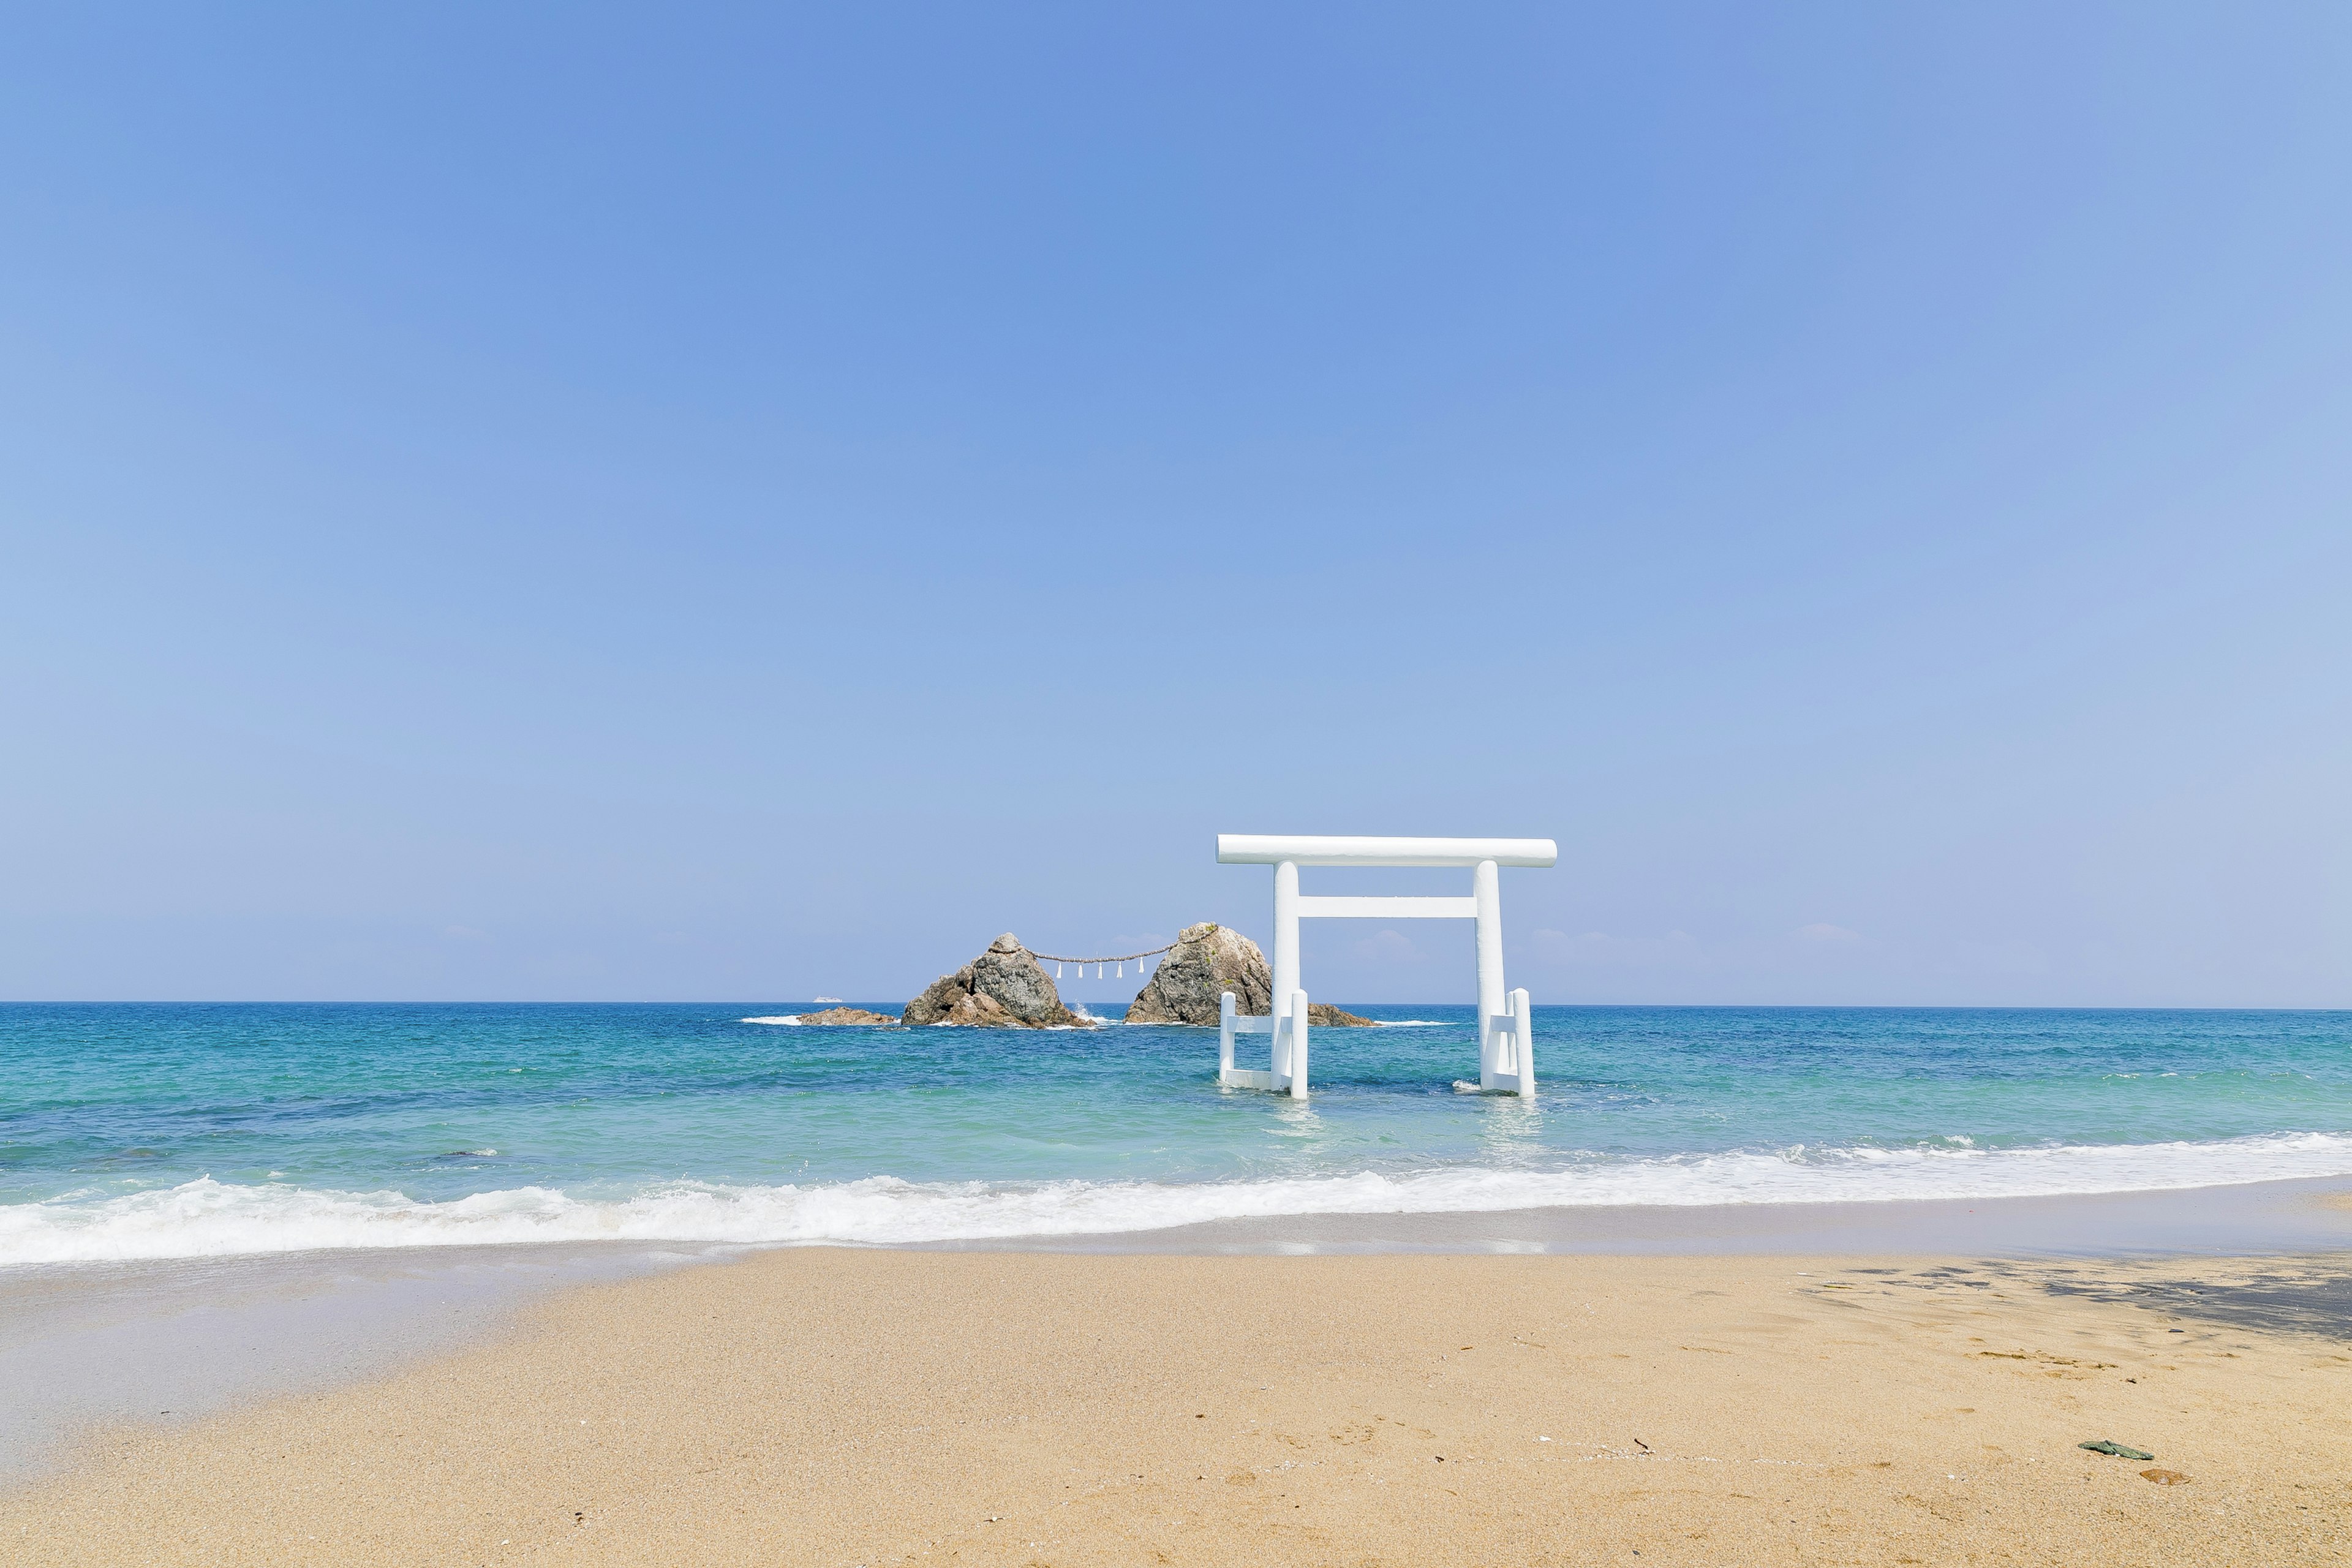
column 170, row 1131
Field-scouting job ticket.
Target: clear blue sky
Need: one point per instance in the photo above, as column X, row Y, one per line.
column 590, row 502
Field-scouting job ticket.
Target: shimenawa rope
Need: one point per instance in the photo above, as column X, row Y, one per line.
column 1121, row 959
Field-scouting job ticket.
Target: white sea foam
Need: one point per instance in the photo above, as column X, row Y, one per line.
column 209, row 1218
column 786, row 1018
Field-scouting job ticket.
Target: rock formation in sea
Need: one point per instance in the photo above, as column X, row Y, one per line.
column 1323, row 1016
column 1004, row 988
column 1207, row 960
column 858, row 1016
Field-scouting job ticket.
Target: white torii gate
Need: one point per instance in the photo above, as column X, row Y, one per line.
column 1507, row 1044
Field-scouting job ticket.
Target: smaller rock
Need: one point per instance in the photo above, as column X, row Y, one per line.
column 1004, row 988
column 1323, row 1016
column 857, row 1016
column 2118, row 1451
column 2165, row 1477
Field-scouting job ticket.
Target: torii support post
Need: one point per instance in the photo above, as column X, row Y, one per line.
column 1487, row 893
column 1286, row 1057
column 1513, row 1069
column 1505, row 1022
column 1225, row 1038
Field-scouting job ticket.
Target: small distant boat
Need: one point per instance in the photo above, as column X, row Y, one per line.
column 825, row 998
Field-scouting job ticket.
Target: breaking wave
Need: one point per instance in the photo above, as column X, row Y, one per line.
column 208, row 1218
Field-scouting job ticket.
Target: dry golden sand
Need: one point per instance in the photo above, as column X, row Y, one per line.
column 839, row 1407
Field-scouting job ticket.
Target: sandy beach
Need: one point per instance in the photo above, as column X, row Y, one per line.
column 837, row 1406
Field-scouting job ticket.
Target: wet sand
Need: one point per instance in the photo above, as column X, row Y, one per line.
column 169, row 1342
column 2290, row 1216
column 825, row 1406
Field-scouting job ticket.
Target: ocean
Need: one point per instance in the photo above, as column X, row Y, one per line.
column 154, row 1130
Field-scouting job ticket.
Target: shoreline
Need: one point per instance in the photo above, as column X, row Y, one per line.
column 2298, row 1214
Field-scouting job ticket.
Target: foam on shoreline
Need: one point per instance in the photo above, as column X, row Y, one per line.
column 206, row 1219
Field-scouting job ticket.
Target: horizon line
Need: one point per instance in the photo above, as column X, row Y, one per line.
column 707, row 1002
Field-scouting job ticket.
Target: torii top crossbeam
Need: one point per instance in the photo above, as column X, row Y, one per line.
column 1308, row 849
column 1506, row 1026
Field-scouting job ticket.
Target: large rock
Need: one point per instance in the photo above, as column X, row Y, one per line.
column 1004, row 988
column 1207, row 960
